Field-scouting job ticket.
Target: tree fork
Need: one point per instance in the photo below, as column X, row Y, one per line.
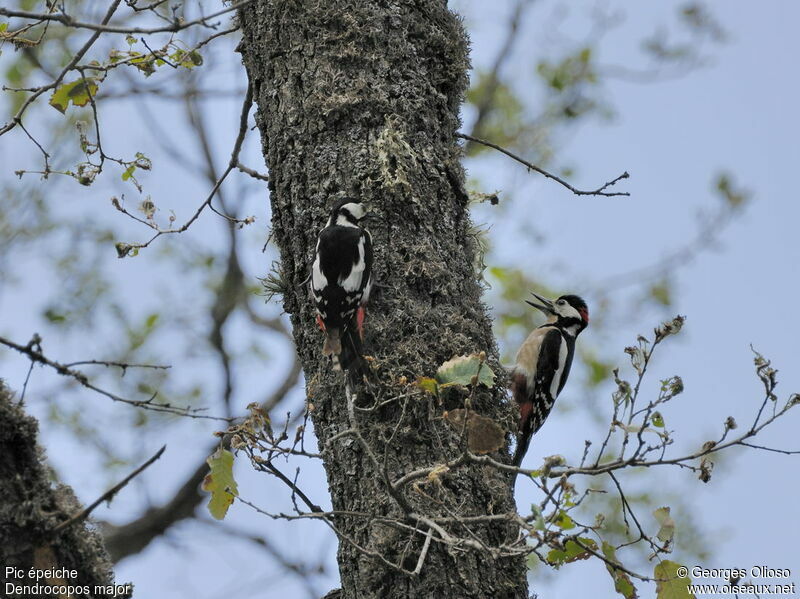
column 362, row 98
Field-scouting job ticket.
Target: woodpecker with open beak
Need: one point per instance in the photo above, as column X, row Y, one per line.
column 543, row 363
column 341, row 280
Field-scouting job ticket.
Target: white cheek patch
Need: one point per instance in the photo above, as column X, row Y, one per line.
column 357, row 210
column 568, row 311
column 343, row 222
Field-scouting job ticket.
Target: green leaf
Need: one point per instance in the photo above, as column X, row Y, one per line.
column 571, row 552
column 196, row 58
column 129, row 172
column 660, row 293
column 428, row 385
column 54, row 316
column 667, row 530
column 622, row 582
column 123, row 249
column 188, row 60
column 563, row 521
column 3, row 27
column 668, row 584
column 657, row 420
column 463, row 369
column 219, row 482
column 78, row 92
column 734, row 196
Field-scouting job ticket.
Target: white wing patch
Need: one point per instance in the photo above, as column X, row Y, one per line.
column 352, row 282
column 368, row 286
column 562, row 360
column 318, row 279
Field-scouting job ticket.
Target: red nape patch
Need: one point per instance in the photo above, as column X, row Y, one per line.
column 584, row 312
column 320, row 323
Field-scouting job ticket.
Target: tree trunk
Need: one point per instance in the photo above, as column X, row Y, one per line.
column 31, row 507
column 362, row 98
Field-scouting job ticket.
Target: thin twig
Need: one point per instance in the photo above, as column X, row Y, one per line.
column 125, row 248
column 108, row 495
column 103, row 27
column 34, row 353
column 600, row 191
column 17, row 120
column 423, row 554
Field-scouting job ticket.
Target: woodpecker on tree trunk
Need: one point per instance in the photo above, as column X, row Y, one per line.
column 341, row 279
column 543, row 363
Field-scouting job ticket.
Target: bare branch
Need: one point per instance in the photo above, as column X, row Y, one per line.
column 33, row 351
column 600, row 191
column 103, row 27
column 108, row 495
column 122, row 365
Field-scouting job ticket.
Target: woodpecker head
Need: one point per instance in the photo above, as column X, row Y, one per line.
column 347, row 212
column 568, row 312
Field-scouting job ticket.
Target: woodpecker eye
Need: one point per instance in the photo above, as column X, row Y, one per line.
column 561, row 302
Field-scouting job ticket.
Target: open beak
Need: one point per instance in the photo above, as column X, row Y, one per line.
column 545, row 305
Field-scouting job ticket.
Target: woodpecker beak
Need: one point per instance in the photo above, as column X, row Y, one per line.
column 545, row 306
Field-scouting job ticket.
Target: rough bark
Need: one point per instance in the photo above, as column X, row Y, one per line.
column 32, row 506
column 362, row 98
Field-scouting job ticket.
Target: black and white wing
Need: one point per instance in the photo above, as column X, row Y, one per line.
column 552, row 369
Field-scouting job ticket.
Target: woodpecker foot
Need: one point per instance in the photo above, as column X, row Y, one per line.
column 320, row 323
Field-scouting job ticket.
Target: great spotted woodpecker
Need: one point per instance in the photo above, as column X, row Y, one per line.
column 341, row 279
column 543, row 363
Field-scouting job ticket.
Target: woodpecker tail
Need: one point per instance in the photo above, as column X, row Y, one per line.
column 523, row 441
column 519, row 390
column 351, row 357
column 333, row 345
column 345, row 349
